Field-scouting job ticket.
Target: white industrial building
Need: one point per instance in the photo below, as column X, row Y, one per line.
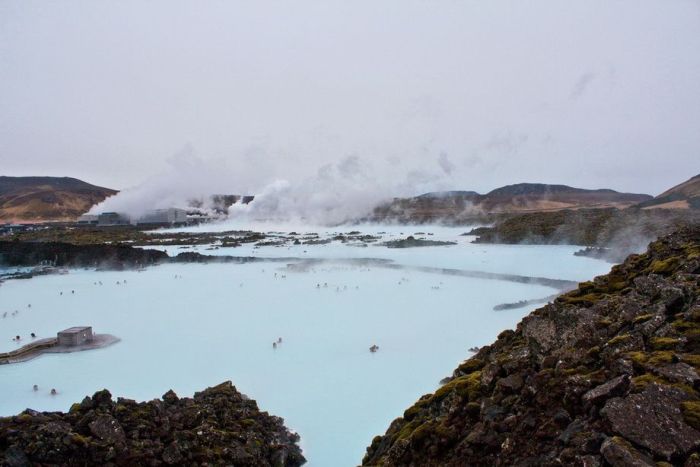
column 163, row 216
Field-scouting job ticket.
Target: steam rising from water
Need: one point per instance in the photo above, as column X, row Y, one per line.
column 336, row 193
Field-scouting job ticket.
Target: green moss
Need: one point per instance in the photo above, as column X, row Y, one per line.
column 640, row 358
column 663, row 343
column 691, row 413
column 666, row 266
column 684, row 326
column 604, row 322
column 642, row 318
column 641, row 382
column 473, row 409
column 464, row 386
column 659, row 357
column 415, row 409
column 691, row 359
column 407, row 429
column 471, row 365
column 74, row 408
column 79, row 439
column 621, row 442
column 616, row 286
column 423, row 432
column 575, row 299
column 622, row 338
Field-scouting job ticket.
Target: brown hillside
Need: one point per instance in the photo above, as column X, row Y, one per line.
column 683, row 196
column 37, row 199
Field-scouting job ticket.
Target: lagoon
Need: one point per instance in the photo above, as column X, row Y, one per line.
column 189, row 326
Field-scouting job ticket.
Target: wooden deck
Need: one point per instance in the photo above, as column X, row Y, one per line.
column 50, row 345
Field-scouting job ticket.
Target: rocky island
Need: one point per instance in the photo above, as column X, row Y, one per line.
column 606, row 374
column 218, row 426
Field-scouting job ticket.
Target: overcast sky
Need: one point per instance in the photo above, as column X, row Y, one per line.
column 409, row 95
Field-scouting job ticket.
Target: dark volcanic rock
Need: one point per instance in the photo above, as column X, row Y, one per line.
column 107, row 428
column 620, row 453
column 606, row 374
column 653, row 420
column 218, row 426
column 614, row 387
column 15, row 253
column 412, row 242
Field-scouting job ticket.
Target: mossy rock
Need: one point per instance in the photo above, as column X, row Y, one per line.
column 465, row 386
column 663, row 343
column 691, row 359
column 416, row 408
column 643, row 318
column 79, row 439
column 621, row 339
column 664, row 267
column 575, row 299
column 639, row 357
column 661, row 357
column 642, row 381
column 603, row 322
column 470, row 366
column 691, row 413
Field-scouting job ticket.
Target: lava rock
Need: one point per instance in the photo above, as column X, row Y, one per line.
column 653, row 419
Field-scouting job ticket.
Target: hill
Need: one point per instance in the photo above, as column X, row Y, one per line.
column 37, row 199
column 683, row 196
column 469, row 206
column 605, row 375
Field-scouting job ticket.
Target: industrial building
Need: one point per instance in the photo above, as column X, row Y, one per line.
column 160, row 217
column 112, row 218
column 87, row 219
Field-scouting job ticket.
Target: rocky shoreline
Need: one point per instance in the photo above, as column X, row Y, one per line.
column 605, row 375
column 218, row 426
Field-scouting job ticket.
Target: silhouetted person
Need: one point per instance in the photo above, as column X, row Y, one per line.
column 35, row 387
column 53, row 392
column 33, row 335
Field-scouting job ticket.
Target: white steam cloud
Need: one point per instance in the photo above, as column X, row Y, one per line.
column 336, row 193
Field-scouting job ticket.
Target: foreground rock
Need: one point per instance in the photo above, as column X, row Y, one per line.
column 605, row 375
column 218, row 426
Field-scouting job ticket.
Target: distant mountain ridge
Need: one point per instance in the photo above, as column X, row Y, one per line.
column 37, row 199
column 517, row 198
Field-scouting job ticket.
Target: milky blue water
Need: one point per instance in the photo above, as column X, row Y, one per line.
column 217, row 322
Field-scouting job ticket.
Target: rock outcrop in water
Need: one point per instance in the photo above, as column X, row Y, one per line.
column 16, row 253
column 605, row 375
column 412, row 242
column 218, row 426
